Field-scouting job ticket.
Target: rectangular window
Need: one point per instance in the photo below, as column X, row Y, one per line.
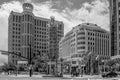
column 119, row 36
column 119, row 44
column 28, row 18
column 19, row 18
column 40, row 23
column 35, row 21
column 119, row 51
column 13, row 17
column 119, row 4
column 16, row 18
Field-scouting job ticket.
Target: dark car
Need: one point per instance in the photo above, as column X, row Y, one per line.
column 111, row 74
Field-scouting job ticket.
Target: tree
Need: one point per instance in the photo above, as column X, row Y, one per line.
column 21, row 68
column 8, row 67
column 5, row 67
column 40, row 63
column 111, row 64
column 12, row 67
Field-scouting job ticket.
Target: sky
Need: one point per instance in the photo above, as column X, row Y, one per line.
column 71, row 12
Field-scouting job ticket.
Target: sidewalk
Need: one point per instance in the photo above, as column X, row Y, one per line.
column 84, row 76
column 51, row 76
column 26, row 75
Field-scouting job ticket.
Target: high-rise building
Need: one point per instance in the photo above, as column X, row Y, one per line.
column 83, row 38
column 28, row 32
column 56, row 33
column 115, row 27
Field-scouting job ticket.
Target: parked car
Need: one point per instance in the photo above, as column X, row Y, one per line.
column 110, row 74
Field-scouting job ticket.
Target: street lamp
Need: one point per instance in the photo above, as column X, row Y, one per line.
column 103, row 65
column 91, row 65
column 61, row 60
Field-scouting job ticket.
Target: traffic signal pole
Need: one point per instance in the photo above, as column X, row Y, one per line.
column 13, row 54
column 29, row 58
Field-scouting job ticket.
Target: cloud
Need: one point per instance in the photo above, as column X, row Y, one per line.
column 5, row 10
column 95, row 12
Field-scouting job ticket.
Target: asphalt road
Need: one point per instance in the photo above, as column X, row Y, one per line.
column 3, row 77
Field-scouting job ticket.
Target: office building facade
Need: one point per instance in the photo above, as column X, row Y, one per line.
column 83, row 38
column 29, row 33
column 115, row 27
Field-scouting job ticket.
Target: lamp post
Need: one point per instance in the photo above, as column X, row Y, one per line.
column 103, row 65
column 61, row 60
column 91, row 65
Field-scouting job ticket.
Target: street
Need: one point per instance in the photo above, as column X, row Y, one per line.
column 40, row 77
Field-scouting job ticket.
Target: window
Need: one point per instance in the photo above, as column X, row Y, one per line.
column 28, row 18
column 83, row 47
column 119, row 44
column 119, row 36
column 35, row 23
column 19, row 18
column 119, row 4
column 40, row 23
column 119, row 19
column 119, row 51
column 88, row 33
column 81, row 42
column 13, row 24
column 13, row 17
column 73, row 62
column 81, row 33
column 80, row 38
